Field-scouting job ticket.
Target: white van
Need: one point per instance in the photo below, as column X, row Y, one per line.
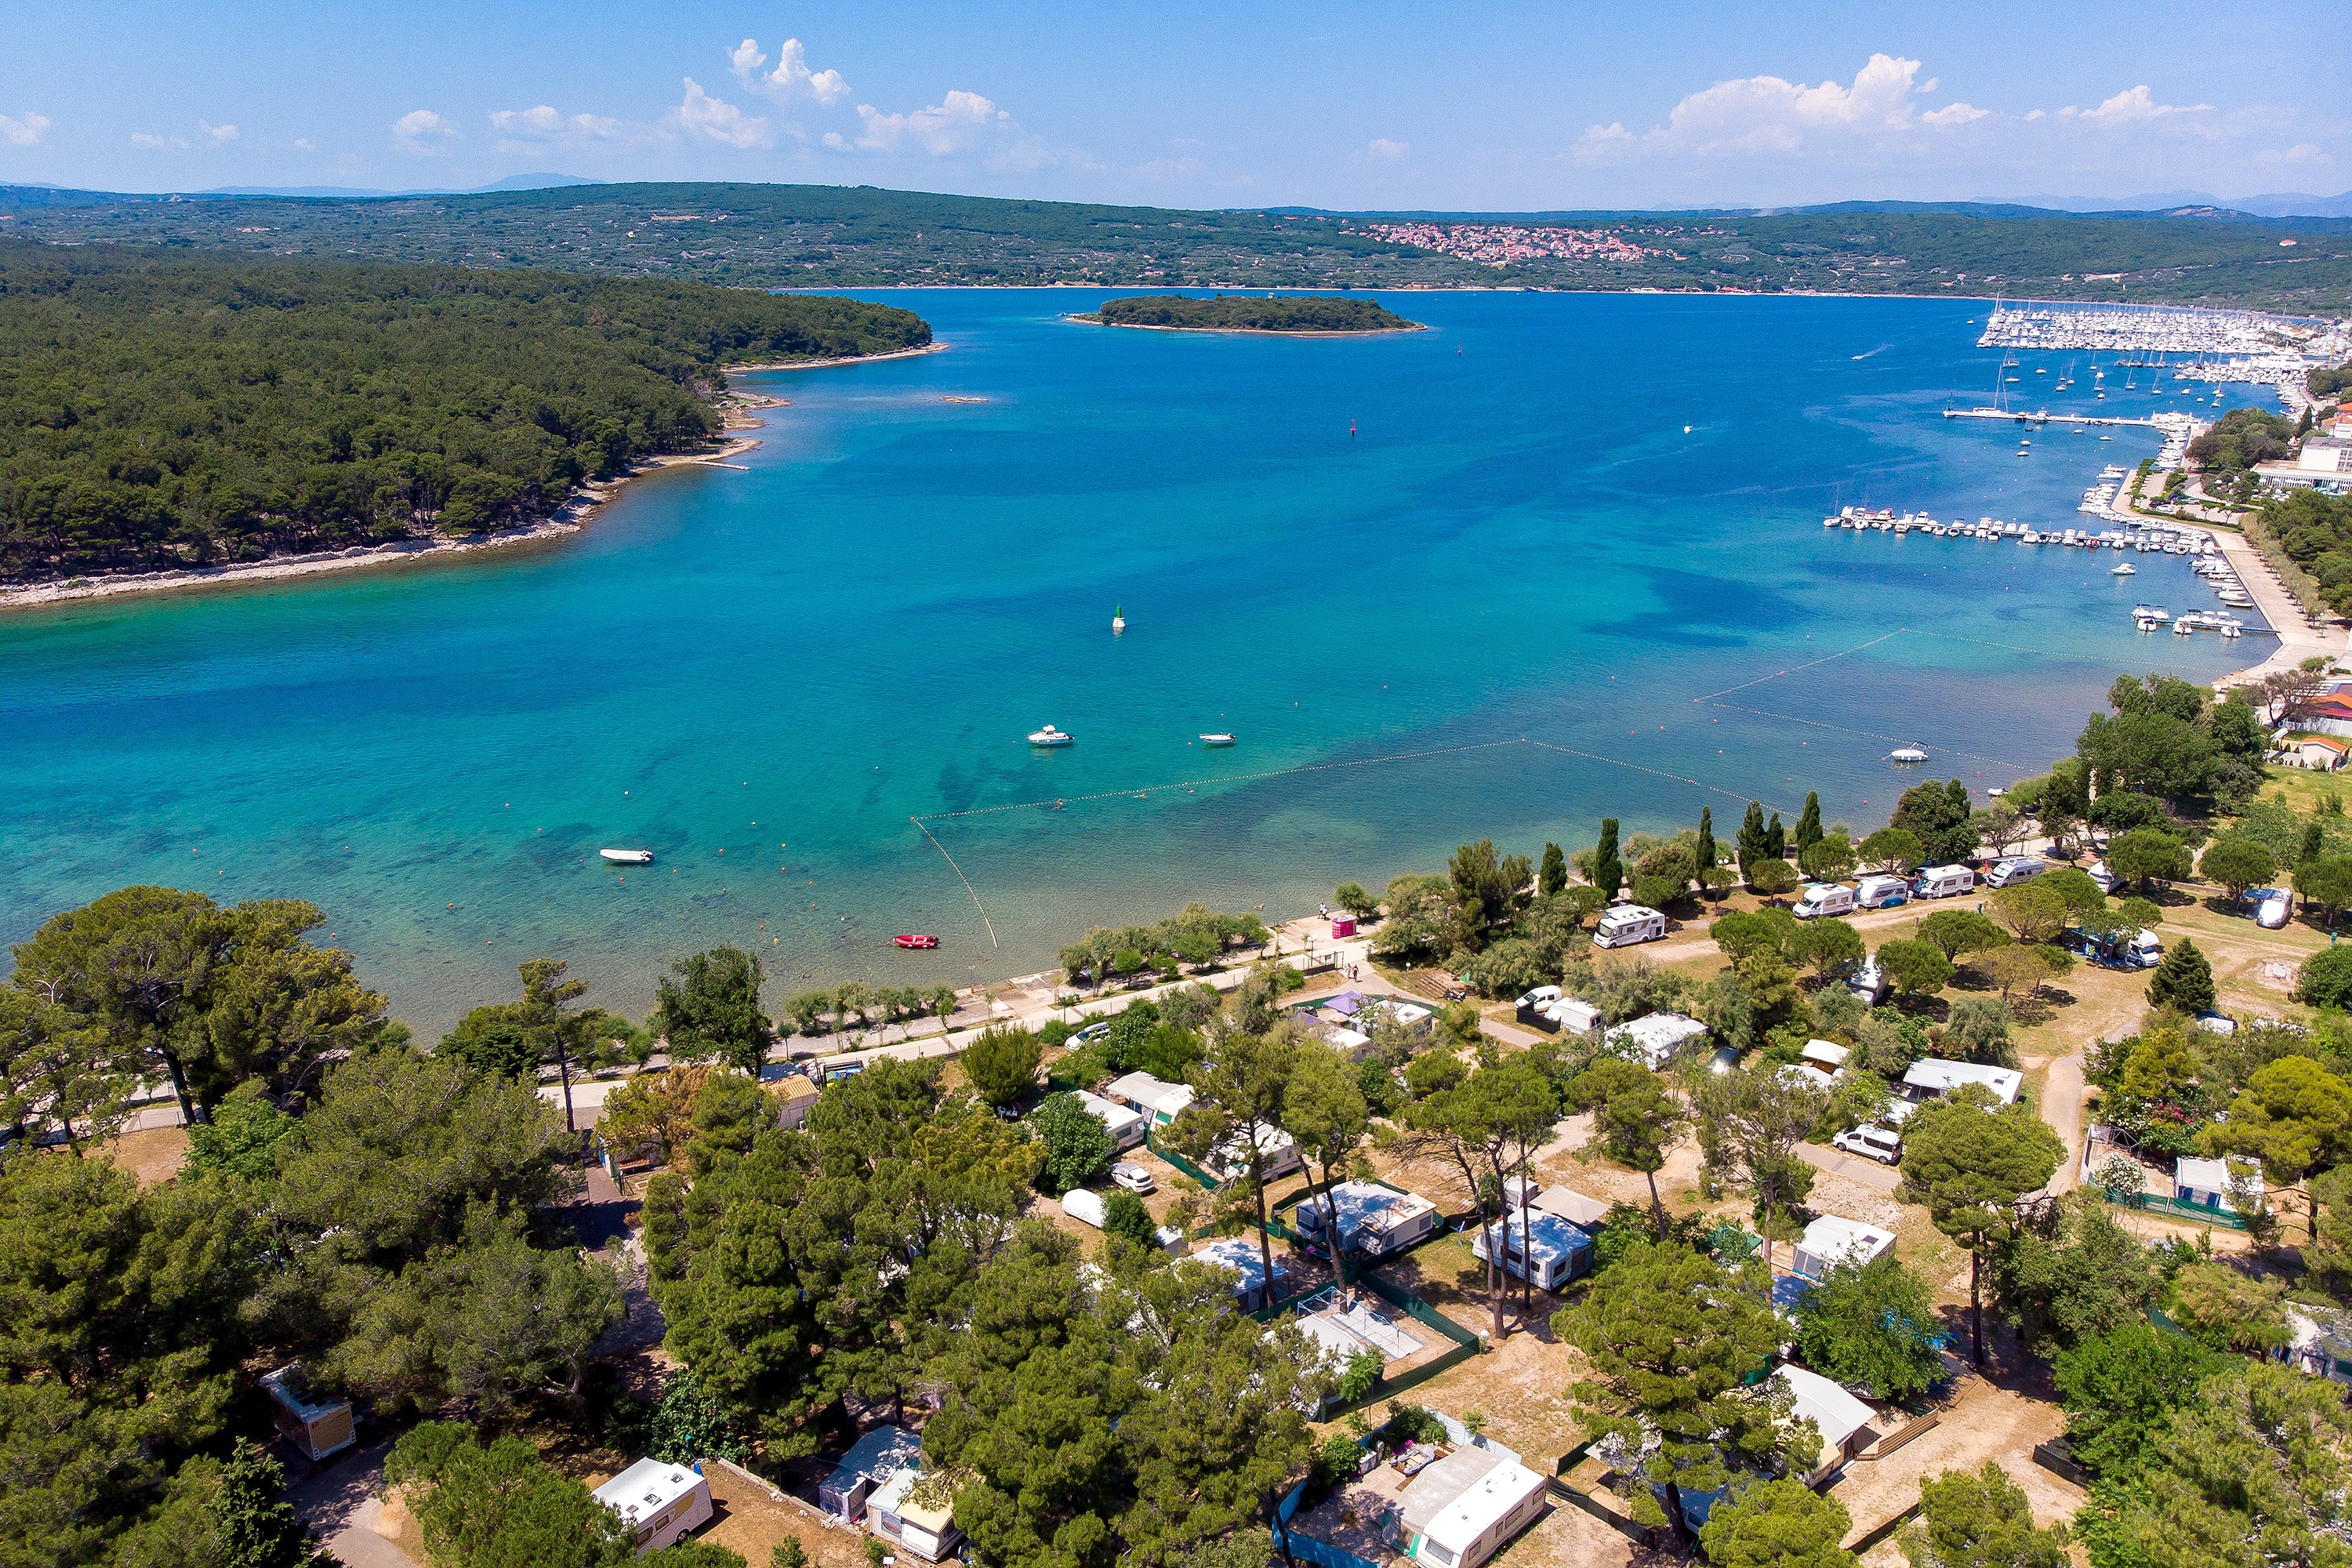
column 2147, row 949
column 1943, row 882
column 2010, row 872
column 1880, row 892
column 1627, row 924
column 1872, row 1142
column 1824, row 898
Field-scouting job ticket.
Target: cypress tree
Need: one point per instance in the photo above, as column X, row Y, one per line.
column 1706, row 850
column 1608, row 871
column 1553, row 876
column 2184, row 980
column 1776, row 840
column 1959, row 810
column 1808, row 825
column 1750, row 846
column 2314, row 844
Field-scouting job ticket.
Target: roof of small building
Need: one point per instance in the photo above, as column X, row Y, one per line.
column 1110, row 1112
column 876, row 1454
column 1472, row 1511
column 1655, row 1035
column 1142, row 1089
column 1571, row 1206
column 2203, row 1175
column 1840, row 1240
column 1838, row 1414
column 1933, row 1072
column 1826, row 1051
column 1240, row 1255
column 1550, row 1236
column 1358, row 1204
column 890, row 1497
column 647, row 1488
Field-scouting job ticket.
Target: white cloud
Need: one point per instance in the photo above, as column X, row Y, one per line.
column 152, row 143
column 791, row 76
column 703, row 115
column 305, row 143
column 1770, row 114
column 948, row 126
column 542, row 120
column 2135, row 103
column 23, row 130
column 1382, row 147
column 423, row 130
column 221, row 135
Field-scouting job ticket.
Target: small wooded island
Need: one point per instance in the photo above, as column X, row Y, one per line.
column 1301, row 314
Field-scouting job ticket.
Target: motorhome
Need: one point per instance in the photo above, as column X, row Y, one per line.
column 1882, row 893
column 1943, row 882
column 1627, row 924
column 1824, row 898
column 2010, row 872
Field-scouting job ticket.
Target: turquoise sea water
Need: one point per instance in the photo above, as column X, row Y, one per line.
column 1487, row 611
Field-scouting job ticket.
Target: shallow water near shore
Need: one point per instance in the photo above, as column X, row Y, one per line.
column 1516, row 599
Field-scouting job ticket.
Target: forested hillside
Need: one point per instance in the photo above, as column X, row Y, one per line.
column 174, row 408
column 834, row 237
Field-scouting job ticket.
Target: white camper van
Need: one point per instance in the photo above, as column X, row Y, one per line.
column 1627, row 924
column 1943, row 882
column 2010, row 872
column 1824, row 898
column 1882, row 893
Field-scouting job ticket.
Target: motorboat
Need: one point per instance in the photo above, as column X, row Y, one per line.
column 1219, row 738
column 1049, row 736
column 627, row 857
column 905, row 939
column 2125, row 570
column 2148, row 613
column 1907, row 754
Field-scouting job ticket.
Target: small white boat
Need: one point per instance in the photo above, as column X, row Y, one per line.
column 2125, row 570
column 1049, row 736
column 1220, row 738
column 1907, row 754
column 628, row 856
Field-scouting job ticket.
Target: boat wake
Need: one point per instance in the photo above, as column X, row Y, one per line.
column 1879, row 349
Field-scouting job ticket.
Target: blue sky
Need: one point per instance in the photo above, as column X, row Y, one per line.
column 1356, row 105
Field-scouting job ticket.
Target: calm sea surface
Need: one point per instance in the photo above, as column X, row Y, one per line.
column 1476, row 581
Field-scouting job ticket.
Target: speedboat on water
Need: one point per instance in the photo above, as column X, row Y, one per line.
column 628, row 856
column 909, row 941
column 1907, row 754
column 1218, row 739
column 2125, row 570
column 1049, row 736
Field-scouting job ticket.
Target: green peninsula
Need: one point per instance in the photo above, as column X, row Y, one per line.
column 163, row 409
column 1307, row 315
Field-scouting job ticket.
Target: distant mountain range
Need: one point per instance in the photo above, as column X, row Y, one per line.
column 2291, row 203
column 834, row 237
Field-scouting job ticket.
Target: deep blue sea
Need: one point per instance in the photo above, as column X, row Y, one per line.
column 1473, row 581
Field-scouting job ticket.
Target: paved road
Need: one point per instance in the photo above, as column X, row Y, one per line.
column 1869, row 1173
column 337, row 1505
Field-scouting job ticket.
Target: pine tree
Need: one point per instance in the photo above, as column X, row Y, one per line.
column 2184, row 980
column 1750, row 846
column 1608, row 871
column 2314, row 844
column 257, row 1528
column 1808, row 825
column 1553, row 876
column 1708, row 853
column 1776, row 840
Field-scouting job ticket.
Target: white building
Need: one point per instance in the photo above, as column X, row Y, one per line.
column 1844, row 1421
column 1560, row 1251
column 1827, row 1055
column 1374, row 1218
column 1163, row 1102
column 1127, row 1125
column 927, row 1530
column 1460, row 1511
column 1830, row 1241
column 875, row 1458
column 2209, row 1182
column 1931, row 1077
column 316, row 1427
column 658, row 1501
column 1656, row 1038
column 1238, row 1256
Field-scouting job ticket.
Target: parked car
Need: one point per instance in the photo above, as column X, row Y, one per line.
column 2215, row 1023
column 1872, row 1142
column 2271, row 906
column 1129, row 1174
column 1092, row 1032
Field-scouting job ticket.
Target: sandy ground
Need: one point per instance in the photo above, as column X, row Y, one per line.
column 153, row 1156
column 754, row 1519
column 2001, row 1416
